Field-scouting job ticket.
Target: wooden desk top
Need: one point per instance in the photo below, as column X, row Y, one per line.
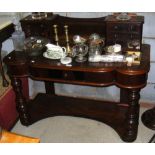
column 21, row 58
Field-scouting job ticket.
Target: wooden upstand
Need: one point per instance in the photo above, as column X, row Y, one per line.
column 122, row 116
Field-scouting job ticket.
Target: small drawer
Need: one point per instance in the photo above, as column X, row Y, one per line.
column 124, row 27
column 117, row 27
column 136, row 28
column 123, row 36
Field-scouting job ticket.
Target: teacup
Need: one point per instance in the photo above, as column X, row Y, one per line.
column 53, row 50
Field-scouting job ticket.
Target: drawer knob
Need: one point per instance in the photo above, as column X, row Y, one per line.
column 115, row 36
column 41, row 25
column 131, row 36
column 115, row 27
column 65, row 75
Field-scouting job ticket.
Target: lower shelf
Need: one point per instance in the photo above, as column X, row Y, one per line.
column 45, row 105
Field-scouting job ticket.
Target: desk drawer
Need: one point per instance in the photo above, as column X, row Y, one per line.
column 88, row 78
column 124, row 27
column 121, row 36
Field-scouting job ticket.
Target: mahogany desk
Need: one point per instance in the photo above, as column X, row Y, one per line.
column 122, row 116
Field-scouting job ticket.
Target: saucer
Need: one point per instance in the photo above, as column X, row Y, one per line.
column 66, row 60
column 53, row 56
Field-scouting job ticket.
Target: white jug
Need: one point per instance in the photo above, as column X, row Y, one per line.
column 53, row 49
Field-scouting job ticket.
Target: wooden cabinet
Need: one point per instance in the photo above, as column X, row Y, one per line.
column 124, row 31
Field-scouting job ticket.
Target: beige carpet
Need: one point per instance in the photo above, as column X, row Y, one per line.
column 66, row 129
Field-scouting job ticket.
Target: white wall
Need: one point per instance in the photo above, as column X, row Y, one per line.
column 111, row 93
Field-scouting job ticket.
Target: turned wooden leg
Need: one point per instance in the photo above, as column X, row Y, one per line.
column 5, row 83
column 148, row 118
column 49, row 86
column 132, row 120
column 20, row 101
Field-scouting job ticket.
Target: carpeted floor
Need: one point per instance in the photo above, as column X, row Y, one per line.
column 64, row 129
